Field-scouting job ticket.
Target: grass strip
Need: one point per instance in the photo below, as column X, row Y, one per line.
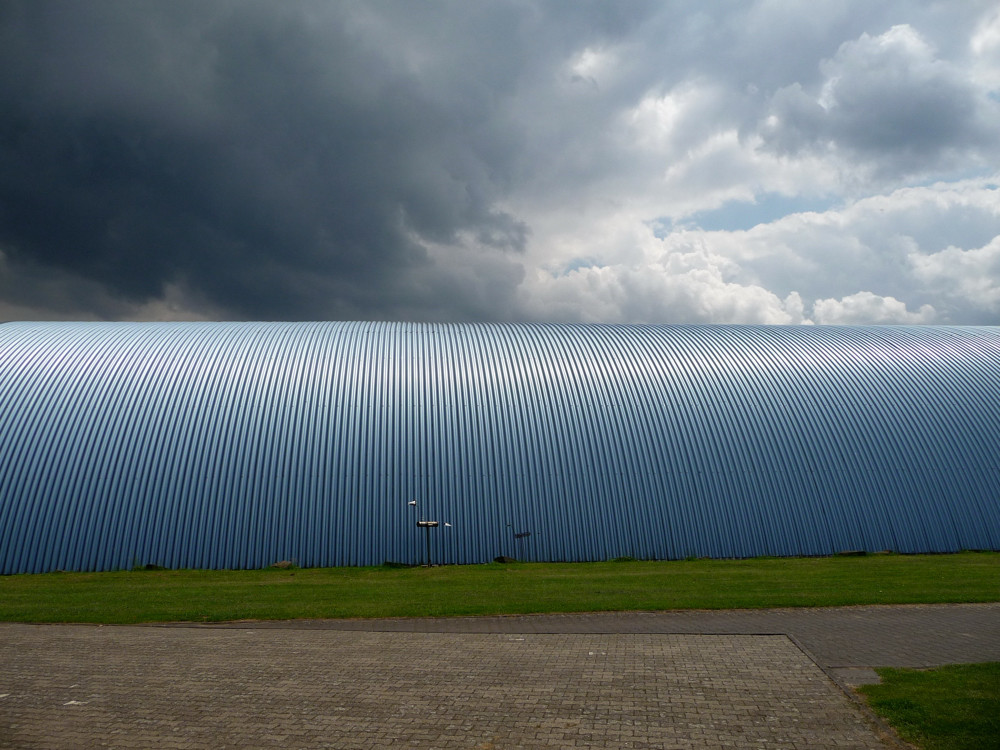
column 950, row 708
column 519, row 588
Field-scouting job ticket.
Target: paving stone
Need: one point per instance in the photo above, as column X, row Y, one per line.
column 917, row 636
column 121, row 687
column 855, row 676
column 641, row 679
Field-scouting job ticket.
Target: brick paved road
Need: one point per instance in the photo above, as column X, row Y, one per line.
column 918, row 635
column 137, row 687
column 588, row 680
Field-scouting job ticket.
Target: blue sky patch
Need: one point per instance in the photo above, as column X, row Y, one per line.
column 739, row 215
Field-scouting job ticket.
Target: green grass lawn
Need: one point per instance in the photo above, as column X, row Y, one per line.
column 198, row 595
column 950, row 708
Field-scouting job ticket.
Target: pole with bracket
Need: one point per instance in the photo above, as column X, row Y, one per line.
column 428, row 525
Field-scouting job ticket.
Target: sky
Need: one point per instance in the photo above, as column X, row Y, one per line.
column 774, row 162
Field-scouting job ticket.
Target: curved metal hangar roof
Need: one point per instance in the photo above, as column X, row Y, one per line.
column 231, row 445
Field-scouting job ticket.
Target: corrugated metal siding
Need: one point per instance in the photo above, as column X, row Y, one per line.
column 232, row 445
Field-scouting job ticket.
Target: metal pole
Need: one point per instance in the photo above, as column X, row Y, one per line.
column 428, row 525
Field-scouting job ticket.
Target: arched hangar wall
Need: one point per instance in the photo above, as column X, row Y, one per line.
column 234, row 445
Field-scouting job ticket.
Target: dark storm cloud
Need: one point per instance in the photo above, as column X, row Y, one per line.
column 273, row 158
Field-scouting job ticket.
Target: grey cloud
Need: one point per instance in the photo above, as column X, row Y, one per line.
column 887, row 99
column 298, row 171
column 398, row 160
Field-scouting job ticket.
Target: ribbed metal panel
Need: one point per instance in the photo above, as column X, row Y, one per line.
column 234, row 445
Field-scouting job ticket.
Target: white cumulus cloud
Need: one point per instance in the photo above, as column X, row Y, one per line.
column 870, row 309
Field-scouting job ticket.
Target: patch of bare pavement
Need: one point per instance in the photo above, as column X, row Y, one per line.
column 615, row 680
